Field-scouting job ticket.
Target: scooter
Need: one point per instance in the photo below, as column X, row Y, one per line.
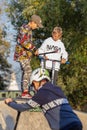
column 53, row 63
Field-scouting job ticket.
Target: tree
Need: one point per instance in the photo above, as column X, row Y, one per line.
column 74, row 76
column 4, row 65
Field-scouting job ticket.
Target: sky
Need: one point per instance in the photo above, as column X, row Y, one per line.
column 5, row 21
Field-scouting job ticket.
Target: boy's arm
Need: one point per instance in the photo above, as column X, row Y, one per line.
column 19, row 107
column 64, row 56
column 41, row 49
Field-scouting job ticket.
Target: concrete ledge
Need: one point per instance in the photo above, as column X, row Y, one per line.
column 2, row 122
column 32, row 121
column 83, row 118
column 7, row 117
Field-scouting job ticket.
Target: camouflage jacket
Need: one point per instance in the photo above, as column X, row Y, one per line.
column 24, row 46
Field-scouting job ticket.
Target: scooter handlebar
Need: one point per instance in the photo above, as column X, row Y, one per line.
column 42, row 58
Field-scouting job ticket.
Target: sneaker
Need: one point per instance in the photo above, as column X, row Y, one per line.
column 26, row 94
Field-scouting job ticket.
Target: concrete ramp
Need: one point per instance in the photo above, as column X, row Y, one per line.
column 83, row 118
column 7, row 117
column 33, row 121
column 2, row 121
column 28, row 120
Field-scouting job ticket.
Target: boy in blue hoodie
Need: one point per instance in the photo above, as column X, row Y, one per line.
column 52, row 101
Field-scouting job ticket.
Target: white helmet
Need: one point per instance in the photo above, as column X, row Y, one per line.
column 39, row 74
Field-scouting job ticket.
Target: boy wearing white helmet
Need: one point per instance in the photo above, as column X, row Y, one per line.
column 52, row 101
column 39, row 74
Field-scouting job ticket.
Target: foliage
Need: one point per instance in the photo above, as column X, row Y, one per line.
column 35, row 62
column 71, row 15
column 74, row 75
column 4, row 66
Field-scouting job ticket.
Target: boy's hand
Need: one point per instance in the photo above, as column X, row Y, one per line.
column 36, row 52
column 63, row 61
column 8, row 100
column 45, row 57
